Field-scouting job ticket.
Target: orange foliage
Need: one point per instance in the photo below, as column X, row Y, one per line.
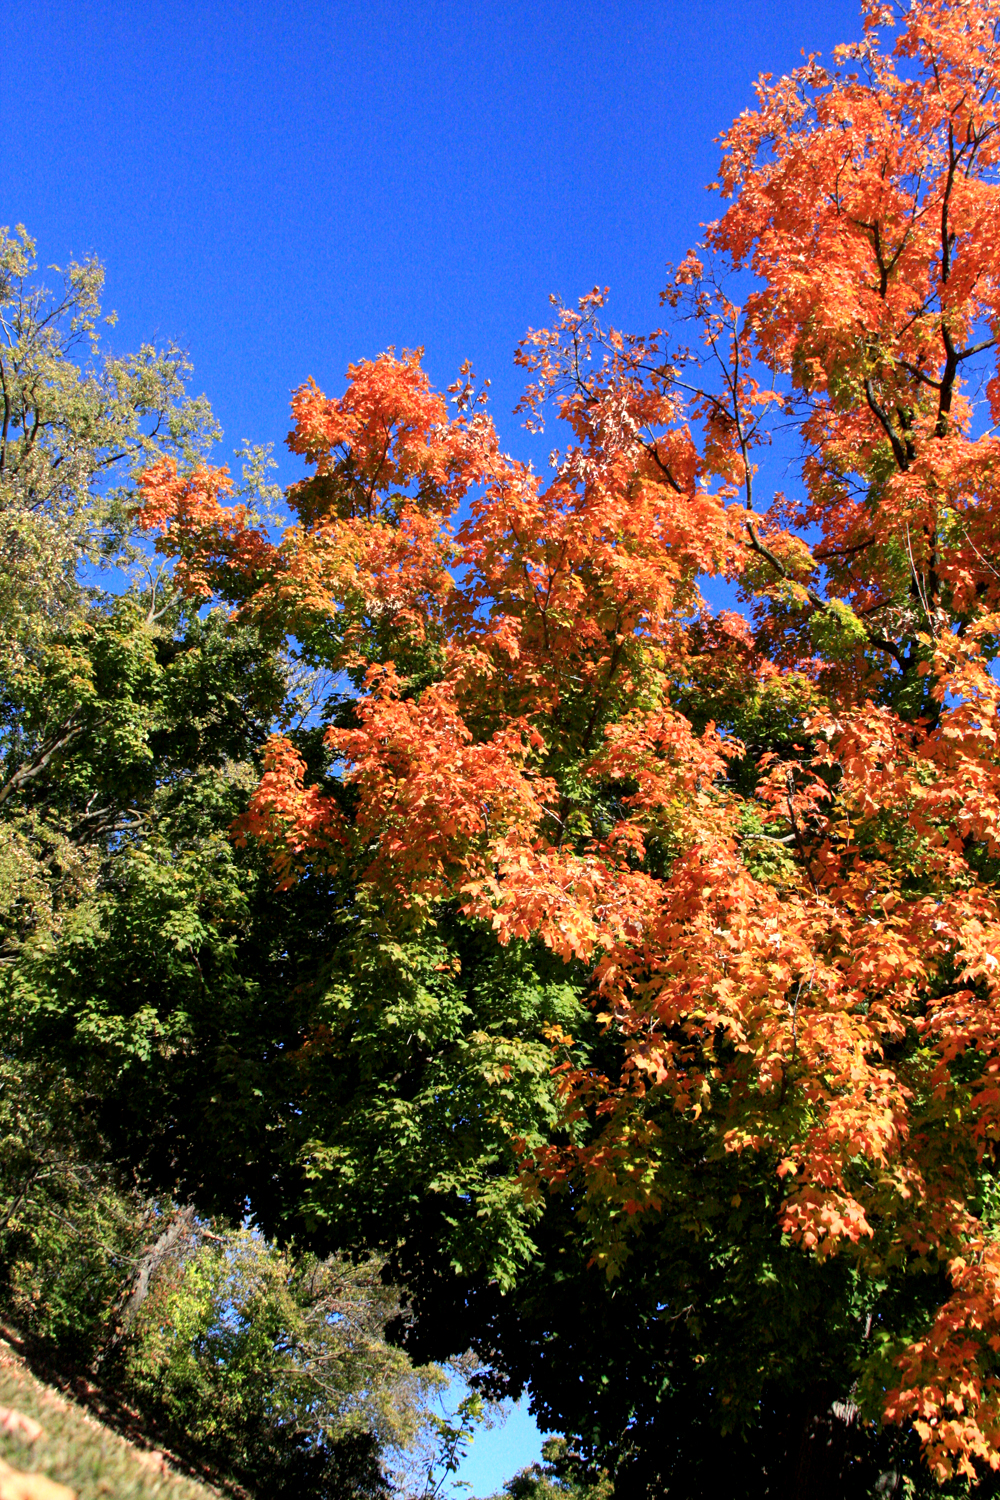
column 835, row 1005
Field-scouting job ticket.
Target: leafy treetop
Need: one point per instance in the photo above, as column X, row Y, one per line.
column 798, row 946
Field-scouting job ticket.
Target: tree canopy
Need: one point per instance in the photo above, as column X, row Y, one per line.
column 128, row 732
column 624, row 970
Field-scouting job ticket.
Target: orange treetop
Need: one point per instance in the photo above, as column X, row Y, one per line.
column 809, row 956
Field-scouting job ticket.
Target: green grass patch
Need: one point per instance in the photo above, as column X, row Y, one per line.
column 77, row 1450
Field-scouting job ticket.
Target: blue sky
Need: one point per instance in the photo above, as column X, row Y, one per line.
column 287, row 188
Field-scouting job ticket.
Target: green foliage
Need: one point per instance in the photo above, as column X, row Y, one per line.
column 69, row 1234
column 76, row 425
column 268, row 1365
column 564, row 1475
column 273, row 1362
column 145, row 966
column 453, row 1433
column 427, row 1057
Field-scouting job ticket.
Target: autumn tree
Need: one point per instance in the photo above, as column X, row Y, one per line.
column 664, row 936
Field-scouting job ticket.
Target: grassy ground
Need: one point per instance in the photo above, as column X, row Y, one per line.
column 76, row 1450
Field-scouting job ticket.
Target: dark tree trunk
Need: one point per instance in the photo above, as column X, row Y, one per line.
column 829, row 1454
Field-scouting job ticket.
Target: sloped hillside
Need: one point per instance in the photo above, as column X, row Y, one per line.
column 72, row 1449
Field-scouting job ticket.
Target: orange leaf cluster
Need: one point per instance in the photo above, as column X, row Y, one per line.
column 547, row 730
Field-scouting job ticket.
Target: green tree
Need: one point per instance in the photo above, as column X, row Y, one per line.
column 563, row 1475
column 276, row 1365
column 143, row 967
column 77, row 423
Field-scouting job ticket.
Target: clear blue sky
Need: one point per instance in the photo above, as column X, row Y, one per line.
column 288, row 187
column 285, row 188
